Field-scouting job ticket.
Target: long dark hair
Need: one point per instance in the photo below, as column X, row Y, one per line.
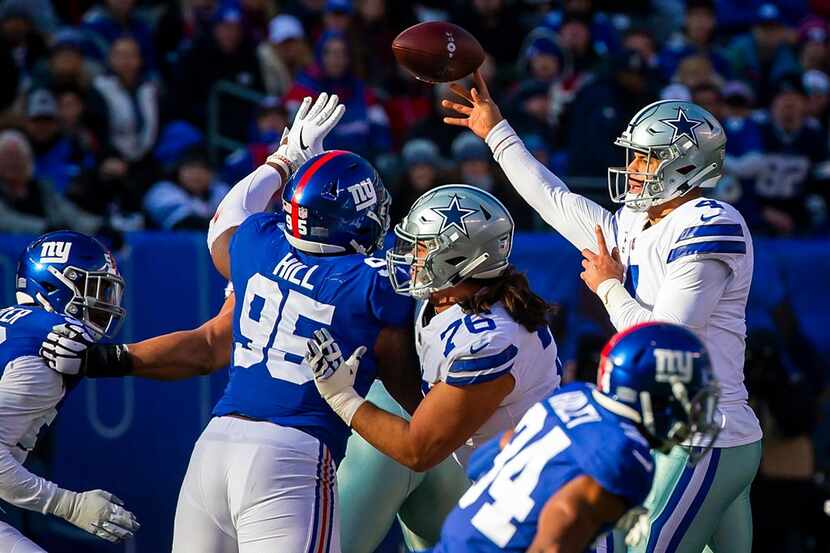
column 513, row 290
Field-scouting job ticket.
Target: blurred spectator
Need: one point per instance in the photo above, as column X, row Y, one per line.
column 59, row 157
column 20, row 39
column 73, row 117
column 310, row 13
column 256, row 15
column 271, row 119
column 189, row 200
column 364, row 128
column 182, row 23
column 28, row 205
column 575, row 37
column 65, row 65
column 763, row 56
column 600, row 111
column 817, row 86
column 477, row 168
column 641, row 40
column 408, row 102
column 223, row 55
column 603, row 35
column 283, row 55
column 432, row 127
column 543, row 60
column 104, row 24
column 126, row 104
column 40, row 12
column 696, row 70
column 422, row 172
column 794, row 147
column 813, row 35
column 338, row 16
column 697, row 38
column 529, row 109
column 491, row 22
column 376, row 25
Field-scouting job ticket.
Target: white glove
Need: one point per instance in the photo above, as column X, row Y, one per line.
column 305, row 138
column 635, row 525
column 64, row 347
column 98, row 512
column 333, row 376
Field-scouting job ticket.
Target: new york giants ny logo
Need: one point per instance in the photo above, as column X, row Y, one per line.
column 674, row 364
column 363, row 194
column 55, row 252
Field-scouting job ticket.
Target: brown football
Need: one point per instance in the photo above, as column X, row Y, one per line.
column 438, row 52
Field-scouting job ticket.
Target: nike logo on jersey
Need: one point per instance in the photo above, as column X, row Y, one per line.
column 706, row 219
column 474, row 350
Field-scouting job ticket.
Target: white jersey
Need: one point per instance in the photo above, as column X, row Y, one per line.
column 462, row 349
column 694, row 267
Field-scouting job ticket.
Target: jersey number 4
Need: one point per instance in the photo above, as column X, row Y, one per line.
column 285, row 354
column 514, row 476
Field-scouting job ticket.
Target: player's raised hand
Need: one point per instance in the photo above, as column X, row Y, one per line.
column 312, row 123
column 480, row 112
column 333, row 376
column 98, row 512
column 65, row 346
column 601, row 266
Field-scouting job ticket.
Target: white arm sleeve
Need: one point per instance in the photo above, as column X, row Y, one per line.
column 688, row 296
column 29, row 394
column 250, row 195
column 571, row 215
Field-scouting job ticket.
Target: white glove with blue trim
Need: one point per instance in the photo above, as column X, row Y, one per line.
column 305, row 138
column 333, row 376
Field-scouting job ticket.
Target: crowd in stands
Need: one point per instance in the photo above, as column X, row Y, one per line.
column 120, row 115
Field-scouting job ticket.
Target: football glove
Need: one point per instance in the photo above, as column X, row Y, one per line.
column 311, row 125
column 65, row 346
column 98, row 512
column 69, row 349
column 333, row 376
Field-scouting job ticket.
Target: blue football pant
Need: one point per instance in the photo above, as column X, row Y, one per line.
column 374, row 489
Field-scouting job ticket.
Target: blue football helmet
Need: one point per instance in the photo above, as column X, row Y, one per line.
column 336, row 203
column 69, row 273
column 658, row 374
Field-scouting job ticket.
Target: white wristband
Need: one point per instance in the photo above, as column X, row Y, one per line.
column 500, row 137
column 613, row 294
column 346, row 404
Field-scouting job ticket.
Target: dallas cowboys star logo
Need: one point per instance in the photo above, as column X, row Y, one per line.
column 453, row 215
column 683, row 126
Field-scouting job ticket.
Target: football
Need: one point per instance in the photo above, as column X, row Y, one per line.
column 438, row 52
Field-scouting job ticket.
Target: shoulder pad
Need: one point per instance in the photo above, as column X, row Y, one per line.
column 708, row 227
column 484, row 350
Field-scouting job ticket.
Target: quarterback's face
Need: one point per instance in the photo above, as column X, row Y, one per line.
column 640, row 164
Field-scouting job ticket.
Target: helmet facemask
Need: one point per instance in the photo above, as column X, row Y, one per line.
column 653, row 189
column 409, row 264
column 697, row 423
column 96, row 299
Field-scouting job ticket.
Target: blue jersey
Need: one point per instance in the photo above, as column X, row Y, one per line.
column 566, row 435
column 23, row 328
column 282, row 296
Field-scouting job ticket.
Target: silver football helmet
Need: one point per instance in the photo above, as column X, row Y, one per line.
column 688, row 144
column 451, row 233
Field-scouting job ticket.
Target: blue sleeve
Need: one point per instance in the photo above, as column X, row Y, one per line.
column 252, row 230
column 482, row 458
column 618, row 464
column 387, row 306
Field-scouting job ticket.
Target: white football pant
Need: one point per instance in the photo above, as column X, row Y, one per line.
column 257, row 487
column 12, row 541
